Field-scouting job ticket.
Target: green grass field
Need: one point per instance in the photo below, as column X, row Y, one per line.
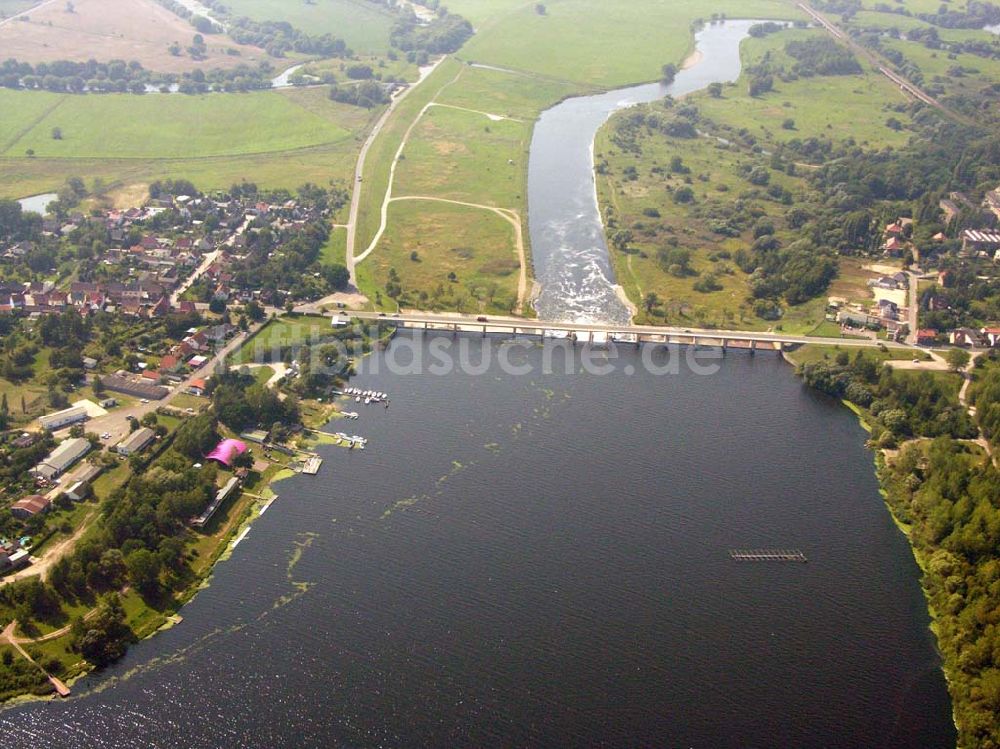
column 465, row 156
column 383, row 150
column 592, row 42
column 862, row 101
column 363, row 25
column 335, row 247
column 475, row 245
column 517, row 96
column 279, row 334
column 277, row 139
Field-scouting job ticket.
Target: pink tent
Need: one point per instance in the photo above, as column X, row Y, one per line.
column 225, row 451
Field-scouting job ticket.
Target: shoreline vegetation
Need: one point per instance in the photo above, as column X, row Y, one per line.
column 128, row 594
column 933, row 456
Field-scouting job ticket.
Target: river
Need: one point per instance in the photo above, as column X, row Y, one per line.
column 541, row 560
column 568, row 246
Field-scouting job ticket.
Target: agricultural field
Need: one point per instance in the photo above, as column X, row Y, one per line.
column 108, row 29
column 475, row 246
column 640, row 183
column 362, row 24
column 635, row 40
column 276, row 138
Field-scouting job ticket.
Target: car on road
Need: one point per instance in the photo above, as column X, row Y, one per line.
column 106, row 436
column 381, row 314
column 481, row 319
column 189, row 410
column 144, row 400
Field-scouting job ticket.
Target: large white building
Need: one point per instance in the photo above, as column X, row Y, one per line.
column 60, row 459
column 60, row 419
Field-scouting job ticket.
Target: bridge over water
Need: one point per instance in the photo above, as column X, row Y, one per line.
column 601, row 333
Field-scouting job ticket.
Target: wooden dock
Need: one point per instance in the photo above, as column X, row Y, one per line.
column 767, row 555
column 311, row 467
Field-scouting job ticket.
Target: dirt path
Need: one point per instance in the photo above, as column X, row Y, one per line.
column 359, row 169
column 510, row 216
column 27, row 12
column 53, row 554
column 488, row 115
column 384, row 221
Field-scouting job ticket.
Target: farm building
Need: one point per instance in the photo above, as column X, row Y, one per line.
column 30, row 506
column 136, row 442
column 63, row 418
column 60, row 459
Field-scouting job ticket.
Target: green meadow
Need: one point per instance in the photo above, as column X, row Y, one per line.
column 477, row 246
column 863, row 102
column 167, row 126
column 464, row 156
column 383, row 150
column 596, row 43
column 360, row 23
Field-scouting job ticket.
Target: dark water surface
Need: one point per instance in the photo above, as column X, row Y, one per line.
column 541, row 561
column 568, row 246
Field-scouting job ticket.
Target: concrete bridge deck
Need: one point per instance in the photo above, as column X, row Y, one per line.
column 606, row 332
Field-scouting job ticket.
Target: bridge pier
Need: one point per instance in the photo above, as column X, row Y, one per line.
column 753, row 347
column 725, row 344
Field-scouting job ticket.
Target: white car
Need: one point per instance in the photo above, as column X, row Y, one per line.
column 144, row 400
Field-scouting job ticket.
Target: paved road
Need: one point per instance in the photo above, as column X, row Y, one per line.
column 914, row 308
column 507, row 324
column 198, row 273
column 116, row 423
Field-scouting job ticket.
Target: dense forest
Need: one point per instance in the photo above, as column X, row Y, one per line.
column 946, row 491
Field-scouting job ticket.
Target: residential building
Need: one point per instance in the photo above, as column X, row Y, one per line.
column 926, row 337
column 980, row 241
column 965, row 337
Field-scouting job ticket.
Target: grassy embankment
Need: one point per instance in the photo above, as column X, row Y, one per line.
column 837, row 107
column 274, row 138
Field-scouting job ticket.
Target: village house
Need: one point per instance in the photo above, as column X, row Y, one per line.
column 926, row 337
column 992, row 336
column 965, row 337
